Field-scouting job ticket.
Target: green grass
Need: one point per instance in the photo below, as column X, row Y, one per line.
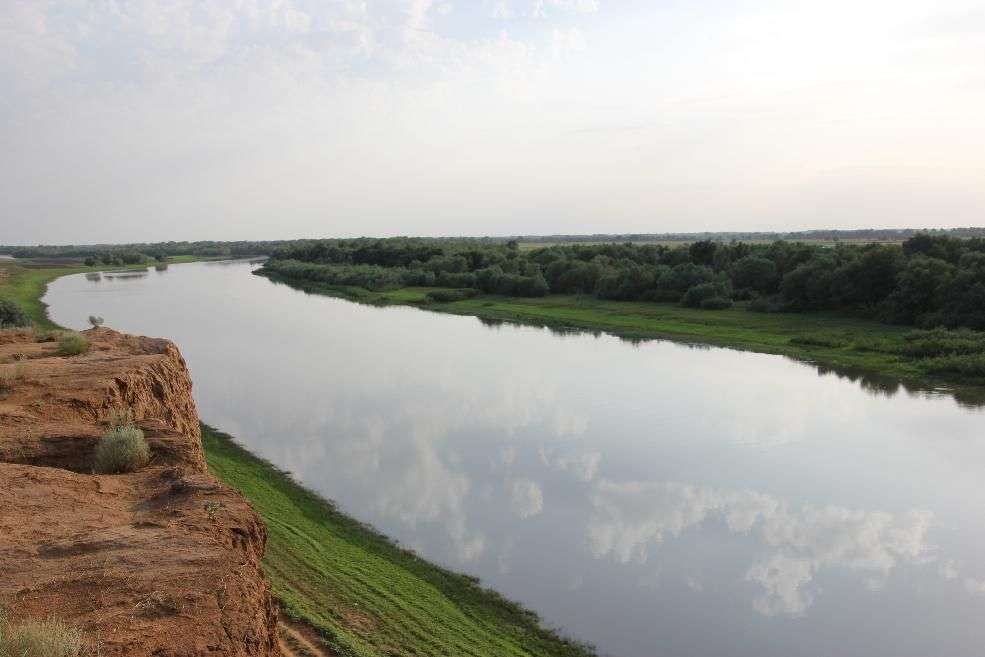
column 366, row 595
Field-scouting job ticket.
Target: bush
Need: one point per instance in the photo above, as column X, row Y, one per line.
column 72, row 344
column 716, row 303
column 450, row 296
column 121, row 449
column 941, row 342
column 756, row 273
column 43, row 638
column 965, row 366
column 11, row 316
column 697, row 295
column 766, row 305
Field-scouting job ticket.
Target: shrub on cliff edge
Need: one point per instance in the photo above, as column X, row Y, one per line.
column 72, row 344
column 43, row 638
column 11, row 316
column 121, row 449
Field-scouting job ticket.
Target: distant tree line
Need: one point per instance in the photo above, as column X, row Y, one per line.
column 136, row 253
column 928, row 281
column 823, row 235
column 154, row 250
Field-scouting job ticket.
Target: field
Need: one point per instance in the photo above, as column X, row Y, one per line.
column 365, row 595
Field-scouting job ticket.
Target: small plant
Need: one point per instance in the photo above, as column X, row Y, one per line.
column 212, row 508
column 121, row 449
column 11, row 316
column 95, row 320
column 158, row 603
column 43, row 638
column 120, row 417
column 8, row 375
column 72, row 344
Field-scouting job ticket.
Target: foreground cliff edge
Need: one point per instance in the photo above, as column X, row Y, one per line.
column 166, row 561
column 163, row 561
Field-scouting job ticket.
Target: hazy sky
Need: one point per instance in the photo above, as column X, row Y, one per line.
column 136, row 120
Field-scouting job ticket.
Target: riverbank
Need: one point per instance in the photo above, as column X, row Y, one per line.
column 876, row 353
column 363, row 594
column 25, row 282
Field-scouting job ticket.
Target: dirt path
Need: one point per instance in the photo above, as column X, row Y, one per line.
column 299, row 640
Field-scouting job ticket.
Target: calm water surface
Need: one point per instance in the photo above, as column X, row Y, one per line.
column 655, row 499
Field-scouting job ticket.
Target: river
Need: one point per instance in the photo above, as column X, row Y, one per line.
column 653, row 498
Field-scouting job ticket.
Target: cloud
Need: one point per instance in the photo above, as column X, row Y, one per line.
column 526, row 498
column 542, row 7
column 209, row 120
column 582, row 464
column 630, row 518
column 783, row 580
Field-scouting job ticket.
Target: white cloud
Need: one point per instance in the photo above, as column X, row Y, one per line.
column 541, row 7
column 784, row 580
column 630, row 518
column 582, row 464
column 207, row 120
column 526, row 498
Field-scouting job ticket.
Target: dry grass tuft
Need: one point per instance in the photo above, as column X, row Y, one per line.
column 49, row 637
column 72, row 344
column 121, row 449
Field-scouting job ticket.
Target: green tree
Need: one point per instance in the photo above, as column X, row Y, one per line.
column 755, row 273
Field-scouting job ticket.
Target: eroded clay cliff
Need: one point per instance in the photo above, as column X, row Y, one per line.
column 164, row 561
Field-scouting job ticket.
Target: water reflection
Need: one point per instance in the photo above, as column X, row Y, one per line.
column 126, row 275
column 632, row 517
column 655, row 499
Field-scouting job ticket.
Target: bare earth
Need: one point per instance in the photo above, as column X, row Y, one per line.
column 164, row 561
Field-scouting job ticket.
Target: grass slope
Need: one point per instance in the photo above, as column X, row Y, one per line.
column 366, row 595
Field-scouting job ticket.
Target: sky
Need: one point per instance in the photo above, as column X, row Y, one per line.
column 132, row 120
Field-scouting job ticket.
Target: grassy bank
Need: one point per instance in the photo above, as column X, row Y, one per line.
column 363, row 593
column 880, row 354
column 25, row 282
